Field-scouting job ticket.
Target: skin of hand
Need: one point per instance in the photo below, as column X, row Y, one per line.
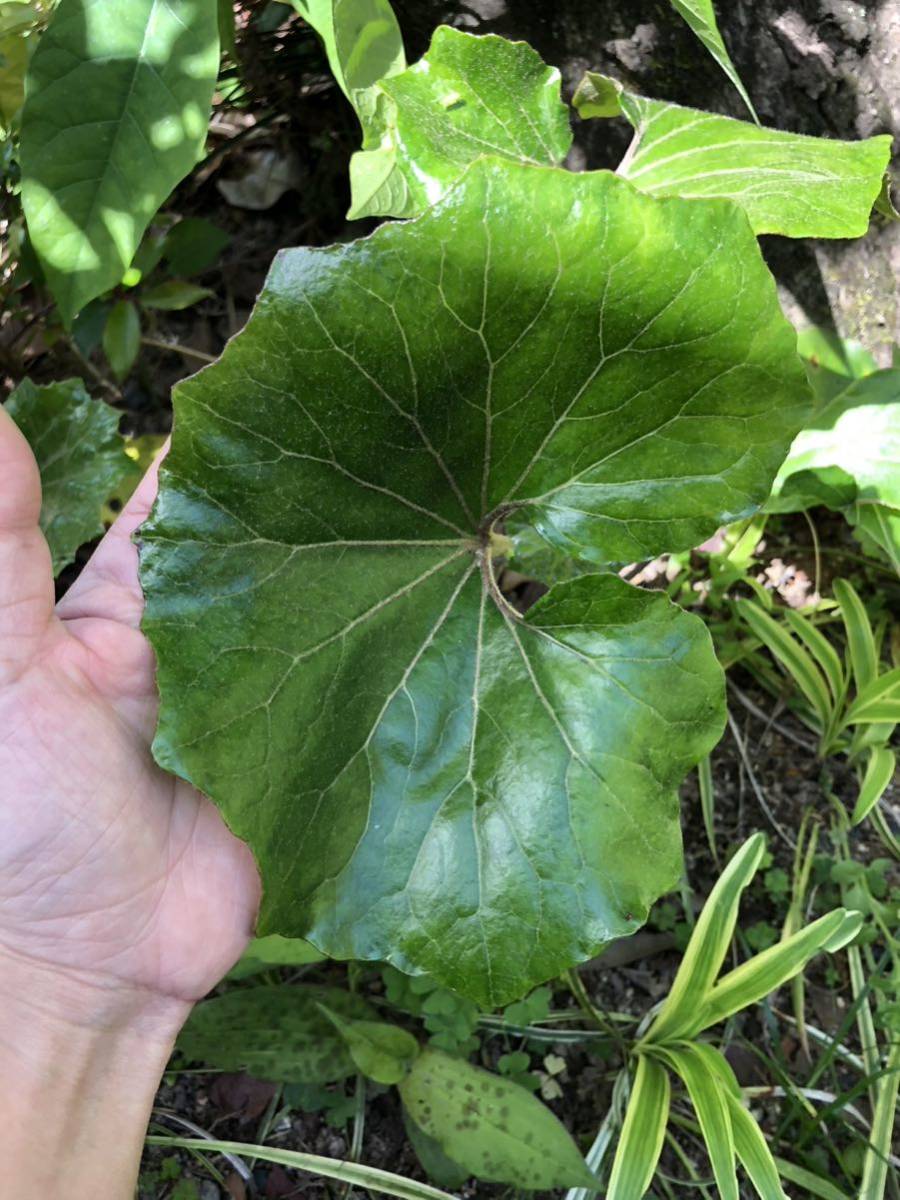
column 123, row 897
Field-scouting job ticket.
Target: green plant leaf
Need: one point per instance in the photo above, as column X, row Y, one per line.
column 643, row 1131
column 380, row 1051
column 499, row 799
column 825, row 655
column 710, row 1101
column 881, row 764
column 857, row 431
column 814, row 1184
column 173, row 295
column 491, row 1126
column 800, row 666
column 750, row 1144
column 786, row 183
column 860, row 639
column 767, row 971
column 275, row 1032
column 468, row 96
column 264, row 953
column 878, row 702
column 193, row 245
column 81, row 458
column 117, row 102
column 701, row 16
column 364, row 45
column 122, row 337
column 356, row 1174
column 437, row 1166
column 708, row 944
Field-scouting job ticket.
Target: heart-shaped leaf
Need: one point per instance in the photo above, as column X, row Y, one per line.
column 275, row 1032
column 81, row 458
column 424, row 775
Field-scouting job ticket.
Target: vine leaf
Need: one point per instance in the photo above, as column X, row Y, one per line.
column 117, row 102
column 786, row 183
column 701, row 17
column 81, row 458
column 468, row 96
column 424, row 775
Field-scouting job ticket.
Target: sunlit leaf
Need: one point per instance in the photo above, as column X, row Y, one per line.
column 498, row 799
column 117, row 103
column 786, row 183
column 468, row 96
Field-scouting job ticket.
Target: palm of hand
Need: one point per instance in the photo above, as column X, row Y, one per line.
column 109, row 867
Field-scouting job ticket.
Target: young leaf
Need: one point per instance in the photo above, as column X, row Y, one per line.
column 274, row 951
column 122, row 337
column 467, row 97
column 80, row 455
column 767, row 971
column 193, row 245
column 708, row 945
column 880, row 767
column 643, row 1131
column 117, row 103
column 701, row 16
column 380, row 1051
column 786, row 183
column 274, row 1032
column 710, row 1101
column 491, row 1126
column 334, row 483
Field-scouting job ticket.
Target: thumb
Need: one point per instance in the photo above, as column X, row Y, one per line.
column 26, row 574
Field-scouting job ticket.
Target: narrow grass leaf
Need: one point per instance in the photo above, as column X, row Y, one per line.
column 876, row 1161
column 356, row 1174
column 709, row 1097
column 814, row 1184
column 878, row 702
column 822, row 651
column 798, row 664
column 709, row 944
column 767, row 971
column 749, row 1142
column 642, row 1134
column 880, row 768
column 860, row 639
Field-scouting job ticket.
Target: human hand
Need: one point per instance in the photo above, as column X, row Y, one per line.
column 113, row 874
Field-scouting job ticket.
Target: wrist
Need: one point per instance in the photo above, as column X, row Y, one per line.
column 81, row 1059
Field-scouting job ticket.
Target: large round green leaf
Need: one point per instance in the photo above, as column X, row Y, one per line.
column 424, row 775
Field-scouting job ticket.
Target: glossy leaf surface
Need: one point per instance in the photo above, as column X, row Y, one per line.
column 276, row 1032
column 786, row 183
column 467, row 97
column 81, row 457
column 117, row 103
column 424, row 775
column 491, row 1126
